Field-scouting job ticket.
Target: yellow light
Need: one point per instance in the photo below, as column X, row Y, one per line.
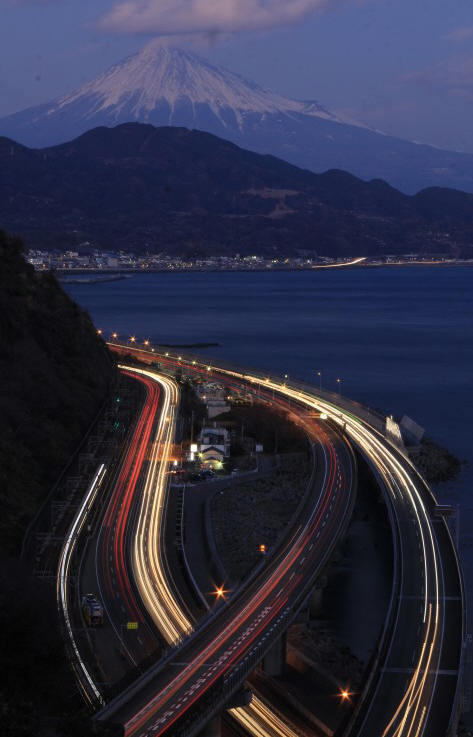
column 262, row 548
column 345, row 694
column 99, row 332
column 166, row 354
column 323, row 415
column 132, row 339
column 208, row 368
column 220, row 592
column 114, row 335
column 193, row 363
column 146, row 342
column 179, row 358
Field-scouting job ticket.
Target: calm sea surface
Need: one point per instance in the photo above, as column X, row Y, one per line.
column 400, row 339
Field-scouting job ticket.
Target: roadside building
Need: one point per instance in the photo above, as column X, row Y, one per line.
column 214, row 396
column 213, row 446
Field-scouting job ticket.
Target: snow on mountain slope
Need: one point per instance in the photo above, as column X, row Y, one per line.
column 162, row 75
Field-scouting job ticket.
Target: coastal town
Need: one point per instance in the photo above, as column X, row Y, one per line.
column 90, row 260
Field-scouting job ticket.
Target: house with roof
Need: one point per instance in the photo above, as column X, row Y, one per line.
column 213, row 446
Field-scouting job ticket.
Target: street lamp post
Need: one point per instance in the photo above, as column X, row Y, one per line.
column 339, row 382
column 319, row 374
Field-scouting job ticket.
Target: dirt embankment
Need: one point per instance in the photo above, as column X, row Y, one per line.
column 253, row 514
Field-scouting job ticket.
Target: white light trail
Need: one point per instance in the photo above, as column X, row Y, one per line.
column 63, row 576
column 148, row 563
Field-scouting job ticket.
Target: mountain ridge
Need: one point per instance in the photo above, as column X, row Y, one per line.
column 138, row 187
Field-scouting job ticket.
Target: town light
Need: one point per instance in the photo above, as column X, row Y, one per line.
column 99, row 332
column 262, row 549
column 114, row 336
column 220, row 592
column 132, row 339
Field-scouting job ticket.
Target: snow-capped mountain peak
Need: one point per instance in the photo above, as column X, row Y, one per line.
column 162, row 76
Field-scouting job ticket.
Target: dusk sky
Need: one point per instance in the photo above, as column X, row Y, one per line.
column 402, row 66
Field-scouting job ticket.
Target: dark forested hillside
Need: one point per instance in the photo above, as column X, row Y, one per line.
column 54, row 375
column 141, row 188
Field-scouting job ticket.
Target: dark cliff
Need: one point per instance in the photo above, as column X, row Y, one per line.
column 54, row 375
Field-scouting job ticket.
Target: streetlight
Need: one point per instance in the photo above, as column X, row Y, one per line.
column 99, row 332
column 286, row 376
column 114, row 336
column 132, row 339
column 220, row 592
column 146, row 342
column 319, row 374
column 344, row 694
column 339, row 382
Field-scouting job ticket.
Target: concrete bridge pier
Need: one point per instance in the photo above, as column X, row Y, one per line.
column 275, row 659
column 213, row 728
column 240, row 698
column 315, row 599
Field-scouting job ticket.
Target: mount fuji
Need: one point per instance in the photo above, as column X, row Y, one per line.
column 166, row 86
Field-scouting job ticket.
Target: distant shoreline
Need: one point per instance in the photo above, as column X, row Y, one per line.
column 114, row 273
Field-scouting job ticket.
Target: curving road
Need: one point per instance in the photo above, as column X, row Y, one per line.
column 225, row 646
column 413, row 689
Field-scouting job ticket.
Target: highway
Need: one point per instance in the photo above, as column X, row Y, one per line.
column 412, row 692
column 248, row 621
column 119, row 560
column 257, row 718
column 84, row 677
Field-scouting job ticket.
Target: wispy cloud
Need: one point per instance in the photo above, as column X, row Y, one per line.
column 460, row 34
column 31, row 2
column 206, row 16
column 454, row 75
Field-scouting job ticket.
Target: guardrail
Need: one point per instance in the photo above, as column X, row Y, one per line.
column 373, row 417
